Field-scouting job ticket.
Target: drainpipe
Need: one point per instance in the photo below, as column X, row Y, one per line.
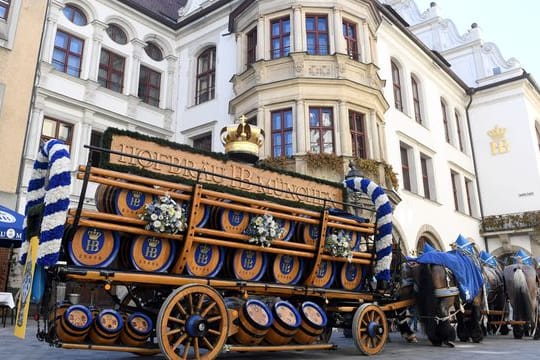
column 471, row 92
column 31, row 106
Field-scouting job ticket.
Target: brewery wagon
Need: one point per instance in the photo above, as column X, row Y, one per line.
column 192, row 256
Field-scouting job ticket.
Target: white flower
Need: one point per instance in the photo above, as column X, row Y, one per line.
column 164, row 215
column 264, row 230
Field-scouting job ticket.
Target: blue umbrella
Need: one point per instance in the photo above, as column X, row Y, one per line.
column 11, row 228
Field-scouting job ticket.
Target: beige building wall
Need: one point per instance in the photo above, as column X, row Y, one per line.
column 20, row 36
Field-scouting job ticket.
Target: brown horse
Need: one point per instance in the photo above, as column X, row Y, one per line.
column 521, row 288
column 438, row 304
column 496, row 298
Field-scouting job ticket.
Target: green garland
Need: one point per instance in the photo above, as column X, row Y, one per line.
column 530, row 219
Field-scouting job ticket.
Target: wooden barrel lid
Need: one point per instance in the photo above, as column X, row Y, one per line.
column 351, row 276
column 248, row 264
column 310, row 233
column 140, row 323
column 314, row 314
column 325, row 275
column 131, row 203
column 287, row 269
column 287, row 314
column 78, row 317
column 93, row 247
column 202, row 216
column 233, row 221
column 288, row 227
column 110, row 321
column 205, row 260
column 149, row 253
column 259, row 313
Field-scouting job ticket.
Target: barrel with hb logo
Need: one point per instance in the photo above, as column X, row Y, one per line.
column 93, row 247
column 72, row 322
column 136, row 330
column 287, row 269
column 149, row 253
column 107, row 327
column 313, row 323
column 325, row 275
column 247, row 265
column 254, row 321
column 130, row 203
column 203, row 215
column 309, row 233
column 288, row 227
column 286, row 324
column 205, row 260
column 350, row 276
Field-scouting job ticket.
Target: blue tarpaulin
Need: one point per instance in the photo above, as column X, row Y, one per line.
column 11, row 228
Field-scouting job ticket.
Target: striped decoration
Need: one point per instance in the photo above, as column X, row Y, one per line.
column 52, row 191
column 383, row 237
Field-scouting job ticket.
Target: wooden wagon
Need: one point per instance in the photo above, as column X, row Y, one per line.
column 207, row 289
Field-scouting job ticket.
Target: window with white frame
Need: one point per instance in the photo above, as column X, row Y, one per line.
column 428, row 178
column 282, row 132
column 251, row 46
column 203, row 141
column 351, row 39
column 470, row 192
column 280, row 37
column 56, row 129
column 396, row 85
column 111, row 70
column 75, row 15
column 68, row 53
column 446, row 125
column 206, row 76
column 4, row 9
column 417, row 103
column 317, row 35
column 358, row 134
column 459, row 129
column 149, row 85
column 456, row 190
column 406, row 163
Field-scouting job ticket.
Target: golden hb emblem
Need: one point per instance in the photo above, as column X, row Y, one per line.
column 498, row 144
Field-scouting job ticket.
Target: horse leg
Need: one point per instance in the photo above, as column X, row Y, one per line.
column 462, row 328
column 403, row 318
column 476, row 331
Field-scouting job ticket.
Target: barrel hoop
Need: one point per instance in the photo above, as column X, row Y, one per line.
column 250, row 331
column 281, row 333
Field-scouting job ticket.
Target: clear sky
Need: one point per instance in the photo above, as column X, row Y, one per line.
column 512, row 25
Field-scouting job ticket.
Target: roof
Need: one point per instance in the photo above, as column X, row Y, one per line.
column 165, row 11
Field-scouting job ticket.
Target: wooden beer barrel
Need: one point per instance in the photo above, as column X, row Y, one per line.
column 205, row 260
column 355, row 237
column 136, row 330
column 350, row 276
column 150, row 253
column 287, row 269
column 124, row 254
column 104, row 198
column 288, row 227
column 254, row 321
column 309, row 233
column 202, row 216
column 313, row 323
column 93, row 247
column 325, row 275
column 248, row 264
column 286, row 324
column 72, row 322
column 232, row 221
column 130, row 203
column 107, row 327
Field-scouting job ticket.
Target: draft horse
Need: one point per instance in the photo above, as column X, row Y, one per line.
column 496, row 299
column 521, row 289
column 439, row 304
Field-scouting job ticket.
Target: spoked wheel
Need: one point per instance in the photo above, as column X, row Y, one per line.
column 370, row 329
column 192, row 323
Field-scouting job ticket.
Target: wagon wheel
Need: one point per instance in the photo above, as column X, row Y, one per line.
column 370, row 329
column 192, row 323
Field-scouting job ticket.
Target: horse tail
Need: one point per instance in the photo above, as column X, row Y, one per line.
column 521, row 305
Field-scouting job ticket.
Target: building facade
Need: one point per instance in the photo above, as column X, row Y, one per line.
column 329, row 82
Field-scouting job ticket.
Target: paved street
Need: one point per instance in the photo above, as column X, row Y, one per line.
column 501, row 347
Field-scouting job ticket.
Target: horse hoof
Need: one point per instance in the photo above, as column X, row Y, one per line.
column 450, row 344
column 410, row 338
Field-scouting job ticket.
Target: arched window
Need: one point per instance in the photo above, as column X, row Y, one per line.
column 416, row 100
column 206, row 76
column 75, row 15
column 425, row 239
column 153, row 51
column 116, row 34
column 396, row 81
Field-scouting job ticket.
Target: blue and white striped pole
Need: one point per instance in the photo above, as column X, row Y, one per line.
column 383, row 237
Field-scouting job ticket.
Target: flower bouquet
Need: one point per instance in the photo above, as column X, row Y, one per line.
column 263, row 230
column 164, row 215
column 338, row 243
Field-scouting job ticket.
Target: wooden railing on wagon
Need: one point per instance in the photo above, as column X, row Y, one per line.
column 198, row 197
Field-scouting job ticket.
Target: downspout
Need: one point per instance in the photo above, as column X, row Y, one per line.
column 31, row 105
column 471, row 92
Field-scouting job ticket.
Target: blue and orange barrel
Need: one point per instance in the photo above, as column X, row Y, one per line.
column 130, row 203
column 107, row 327
column 93, row 247
column 150, row 253
column 286, row 324
column 288, row 227
column 254, row 321
column 314, row 321
column 137, row 328
column 203, row 215
column 287, row 269
column 309, row 233
column 350, row 276
column 248, row 265
column 324, row 278
column 205, row 260
column 232, row 221
column 72, row 322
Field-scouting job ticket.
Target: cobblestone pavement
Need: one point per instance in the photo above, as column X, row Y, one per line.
column 501, row 347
